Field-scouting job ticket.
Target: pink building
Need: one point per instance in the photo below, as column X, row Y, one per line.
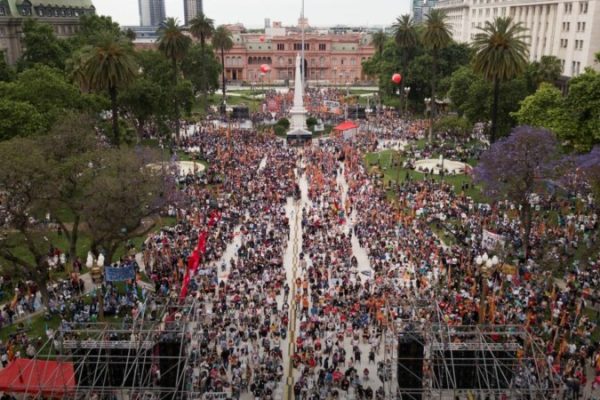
column 329, row 58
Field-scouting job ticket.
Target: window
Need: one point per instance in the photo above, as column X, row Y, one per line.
column 289, row 61
column 2, row 10
column 583, row 27
column 583, row 7
column 280, row 46
column 487, row 12
column 322, row 47
column 322, row 61
column 280, row 61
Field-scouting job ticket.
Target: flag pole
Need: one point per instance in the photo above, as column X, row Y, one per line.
column 302, row 56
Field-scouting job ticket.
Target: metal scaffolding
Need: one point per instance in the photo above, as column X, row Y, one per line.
column 476, row 361
column 145, row 358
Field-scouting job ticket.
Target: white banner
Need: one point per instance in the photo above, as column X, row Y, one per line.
column 490, row 240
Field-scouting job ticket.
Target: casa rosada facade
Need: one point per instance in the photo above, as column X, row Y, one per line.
column 329, row 58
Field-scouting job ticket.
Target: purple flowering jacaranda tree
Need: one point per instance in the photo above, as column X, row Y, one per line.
column 514, row 167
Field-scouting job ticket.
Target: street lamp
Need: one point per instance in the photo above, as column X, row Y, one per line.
column 406, row 93
column 486, row 264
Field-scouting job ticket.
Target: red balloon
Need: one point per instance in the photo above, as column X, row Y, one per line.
column 265, row 68
column 397, row 78
column 262, row 38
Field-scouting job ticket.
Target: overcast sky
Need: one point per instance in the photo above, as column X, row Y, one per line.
column 253, row 12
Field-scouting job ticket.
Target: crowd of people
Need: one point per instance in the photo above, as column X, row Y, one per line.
column 310, row 263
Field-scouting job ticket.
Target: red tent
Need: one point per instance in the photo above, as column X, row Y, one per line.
column 49, row 378
column 345, row 126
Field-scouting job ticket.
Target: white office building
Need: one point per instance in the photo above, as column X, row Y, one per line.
column 567, row 29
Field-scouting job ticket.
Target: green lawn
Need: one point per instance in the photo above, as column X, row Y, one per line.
column 591, row 314
column 387, row 160
column 45, row 239
column 34, row 326
column 362, row 91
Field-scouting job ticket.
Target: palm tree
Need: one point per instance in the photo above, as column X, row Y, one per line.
column 500, row 55
column 202, row 28
column 109, row 65
column 548, row 69
column 222, row 40
column 436, row 36
column 407, row 39
column 174, row 45
column 378, row 40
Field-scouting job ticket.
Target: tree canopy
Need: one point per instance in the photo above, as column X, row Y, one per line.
column 515, row 167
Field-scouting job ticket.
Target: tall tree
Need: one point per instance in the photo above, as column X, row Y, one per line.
column 114, row 213
column 582, row 106
column 222, row 40
column 202, row 68
column 68, row 149
column 108, row 66
column 41, row 46
column 407, row 39
column 23, row 178
column 547, row 70
column 436, row 36
column 174, row 44
column 513, row 167
column 48, row 90
column 202, row 28
column 19, row 119
column 543, row 109
column 378, row 40
column 7, row 73
column 500, row 55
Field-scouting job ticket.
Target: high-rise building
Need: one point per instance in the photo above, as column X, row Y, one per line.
column 566, row 29
column 152, row 12
column 420, row 8
column 191, row 8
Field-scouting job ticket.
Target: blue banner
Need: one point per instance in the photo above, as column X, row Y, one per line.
column 119, row 274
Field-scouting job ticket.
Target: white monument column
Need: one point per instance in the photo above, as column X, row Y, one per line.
column 298, row 112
